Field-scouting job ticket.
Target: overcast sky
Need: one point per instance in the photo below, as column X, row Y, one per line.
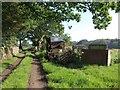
column 85, row 28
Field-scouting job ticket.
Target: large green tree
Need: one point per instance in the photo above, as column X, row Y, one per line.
column 43, row 19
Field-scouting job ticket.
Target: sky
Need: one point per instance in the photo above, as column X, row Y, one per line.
column 85, row 28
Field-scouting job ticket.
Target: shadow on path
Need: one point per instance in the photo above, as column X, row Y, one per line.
column 37, row 76
column 10, row 69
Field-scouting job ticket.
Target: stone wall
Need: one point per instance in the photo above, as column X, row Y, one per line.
column 15, row 50
column 8, row 52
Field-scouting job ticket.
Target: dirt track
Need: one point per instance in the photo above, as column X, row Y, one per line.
column 10, row 68
column 37, row 76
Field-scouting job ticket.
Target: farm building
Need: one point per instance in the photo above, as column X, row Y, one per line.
column 96, row 54
column 57, row 46
column 57, row 43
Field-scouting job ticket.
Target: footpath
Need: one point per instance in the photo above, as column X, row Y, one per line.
column 37, row 76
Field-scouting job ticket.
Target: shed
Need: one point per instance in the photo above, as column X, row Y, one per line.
column 57, row 46
column 57, row 43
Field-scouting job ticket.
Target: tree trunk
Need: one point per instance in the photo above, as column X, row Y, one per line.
column 48, row 44
column 37, row 45
column 40, row 40
column 20, row 44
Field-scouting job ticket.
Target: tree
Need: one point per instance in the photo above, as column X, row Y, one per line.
column 67, row 38
column 83, row 42
column 43, row 19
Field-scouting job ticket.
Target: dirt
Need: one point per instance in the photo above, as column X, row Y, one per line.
column 37, row 76
column 10, row 69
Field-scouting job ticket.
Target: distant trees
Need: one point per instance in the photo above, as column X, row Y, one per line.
column 83, row 42
column 111, row 43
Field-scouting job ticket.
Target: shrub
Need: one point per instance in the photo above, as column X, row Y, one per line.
column 68, row 59
column 115, row 56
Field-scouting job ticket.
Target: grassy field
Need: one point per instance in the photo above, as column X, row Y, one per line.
column 89, row 76
column 9, row 61
column 115, row 55
column 20, row 76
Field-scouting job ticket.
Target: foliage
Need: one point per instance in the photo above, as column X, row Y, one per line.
column 40, row 54
column 72, row 43
column 69, row 59
column 67, row 38
column 26, row 43
column 89, row 77
column 20, row 76
column 45, row 18
column 115, row 53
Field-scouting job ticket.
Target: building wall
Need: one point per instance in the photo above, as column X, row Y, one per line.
column 95, row 56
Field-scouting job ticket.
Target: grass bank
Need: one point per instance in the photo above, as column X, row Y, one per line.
column 20, row 76
column 9, row 61
column 88, row 77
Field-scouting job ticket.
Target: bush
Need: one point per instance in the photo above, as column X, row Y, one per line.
column 40, row 54
column 115, row 56
column 68, row 59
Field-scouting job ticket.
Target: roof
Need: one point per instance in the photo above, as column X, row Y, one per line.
column 57, row 39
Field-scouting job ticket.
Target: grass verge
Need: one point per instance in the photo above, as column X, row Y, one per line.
column 20, row 76
column 115, row 55
column 9, row 61
column 87, row 77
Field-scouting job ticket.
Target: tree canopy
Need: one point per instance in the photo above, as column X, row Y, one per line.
column 37, row 20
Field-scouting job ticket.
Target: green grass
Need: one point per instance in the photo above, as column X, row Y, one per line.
column 88, row 77
column 9, row 61
column 40, row 54
column 19, row 54
column 20, row 76
column 115, row 55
